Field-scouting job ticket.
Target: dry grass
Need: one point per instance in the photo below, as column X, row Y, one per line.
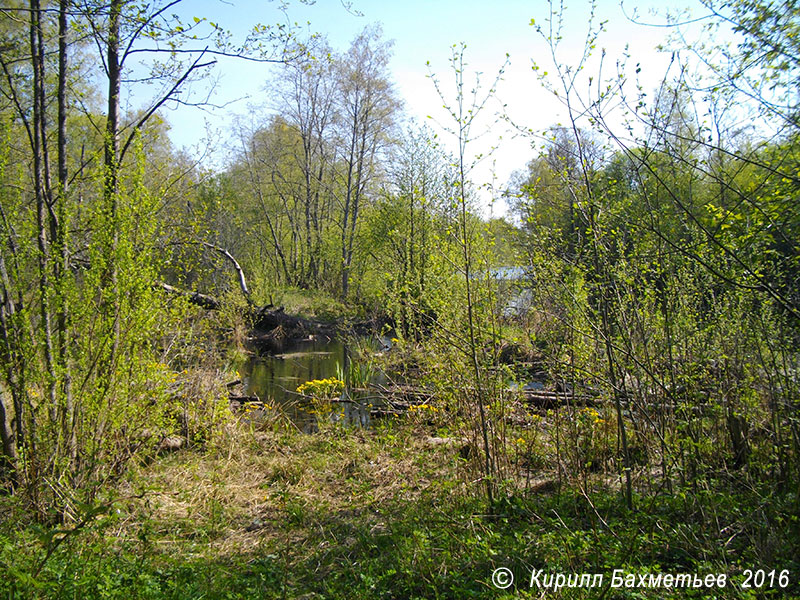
column 278, row 486
column 315, row 504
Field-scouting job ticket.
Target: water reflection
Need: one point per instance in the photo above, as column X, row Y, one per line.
column 274, row 379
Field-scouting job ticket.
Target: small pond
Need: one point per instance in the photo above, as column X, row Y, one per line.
column 274, row 378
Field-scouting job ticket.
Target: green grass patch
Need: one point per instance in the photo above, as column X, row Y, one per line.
column 385, row 514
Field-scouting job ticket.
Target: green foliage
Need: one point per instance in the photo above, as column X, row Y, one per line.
column 663, row 278
column 111, row 387
column 357, row 373
column 663, row 268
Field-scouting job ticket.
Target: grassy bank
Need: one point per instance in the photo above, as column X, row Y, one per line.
column 386, row 513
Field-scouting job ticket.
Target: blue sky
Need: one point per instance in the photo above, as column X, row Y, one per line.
column 424, row 31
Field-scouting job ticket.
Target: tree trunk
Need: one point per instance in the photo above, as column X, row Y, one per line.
column 7, row 311
column 111, row 161
column 44, row 222
column 62, row 266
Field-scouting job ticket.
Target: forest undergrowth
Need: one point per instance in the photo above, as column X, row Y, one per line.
column 395, row 511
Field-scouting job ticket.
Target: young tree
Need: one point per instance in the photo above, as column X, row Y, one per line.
column 407, row 225
column 367, row 106
column 306, row 92
column 92, row 262
column 463, row 110
column 684, row 241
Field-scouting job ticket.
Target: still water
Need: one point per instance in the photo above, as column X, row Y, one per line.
column 274, row 378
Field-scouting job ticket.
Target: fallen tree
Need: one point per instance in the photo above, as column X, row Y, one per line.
column 268, row 323
column 204, row 300
column 196, row 298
